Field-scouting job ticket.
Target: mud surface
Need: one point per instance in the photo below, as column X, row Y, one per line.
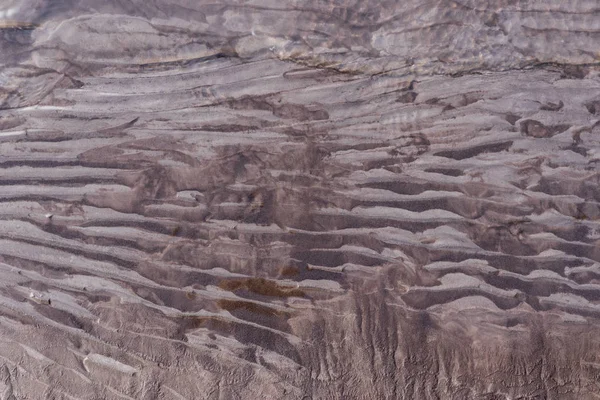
column 299, row 200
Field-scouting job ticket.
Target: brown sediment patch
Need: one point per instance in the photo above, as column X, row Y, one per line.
column 7, row 24
column 262, row 286
column 289, row 271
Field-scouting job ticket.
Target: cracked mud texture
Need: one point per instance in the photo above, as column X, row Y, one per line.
column 299, row 200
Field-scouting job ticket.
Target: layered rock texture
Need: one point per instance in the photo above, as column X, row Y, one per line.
column 299, row 199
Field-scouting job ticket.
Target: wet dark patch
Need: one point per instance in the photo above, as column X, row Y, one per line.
column 593, row 107
column 334, row 258
column 407, row 97
column 587, row 189
column 552, row 106
column 173, row 298
column 583, row 277
column 575, row 232
column 463, row 100
column 512, row 118
column 491, row 20
column 501, row 238
column 286, row 110
column 573, row 71
column 250, row 103
column 446, row 171
column 260, row 286
column 300, row 112
column 254, row 308
column 410, row 146
column 248, row 354
column 461, row 154
column 536, row 129
column 579, row 150
column 63, row 317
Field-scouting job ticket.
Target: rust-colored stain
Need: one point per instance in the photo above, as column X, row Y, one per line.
column 191, row 295
column 261, row 286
